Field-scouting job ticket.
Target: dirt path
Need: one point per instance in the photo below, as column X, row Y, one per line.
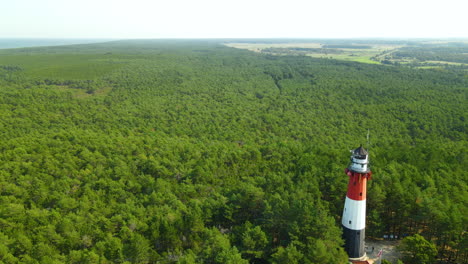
column 389, row 251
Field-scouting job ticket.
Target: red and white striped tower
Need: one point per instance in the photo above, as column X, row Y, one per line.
column 354, row 213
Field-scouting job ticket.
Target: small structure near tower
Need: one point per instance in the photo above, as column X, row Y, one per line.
column 354, row 213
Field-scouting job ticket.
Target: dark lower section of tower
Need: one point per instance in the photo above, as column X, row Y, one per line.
column 354, row 242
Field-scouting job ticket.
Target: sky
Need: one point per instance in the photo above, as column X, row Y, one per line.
column 126, row 19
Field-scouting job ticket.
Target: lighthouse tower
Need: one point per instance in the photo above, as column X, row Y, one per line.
column 354, row 213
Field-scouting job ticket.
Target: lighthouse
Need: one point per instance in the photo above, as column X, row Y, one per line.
column 354, row 213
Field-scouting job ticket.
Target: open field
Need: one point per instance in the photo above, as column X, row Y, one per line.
column 361, row 53
column 422, row 54
column 260, row 46
column 358, row 56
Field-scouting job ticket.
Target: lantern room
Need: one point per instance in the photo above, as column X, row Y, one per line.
column 359, row 160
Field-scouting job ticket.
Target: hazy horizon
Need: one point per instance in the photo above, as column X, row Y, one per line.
column 144, row 19
column 12, row 43
column 7, row 43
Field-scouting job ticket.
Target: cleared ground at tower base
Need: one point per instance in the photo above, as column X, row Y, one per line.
column 388, row 247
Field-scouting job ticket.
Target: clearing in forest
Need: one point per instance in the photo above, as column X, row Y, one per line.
column 388, row 247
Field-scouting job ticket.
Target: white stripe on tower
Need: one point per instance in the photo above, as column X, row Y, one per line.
column 354, row 214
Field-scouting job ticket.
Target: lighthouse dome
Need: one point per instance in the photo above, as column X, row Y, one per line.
column 360, row 151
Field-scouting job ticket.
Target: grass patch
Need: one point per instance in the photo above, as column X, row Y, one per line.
column 100, row 92
column 83, row 94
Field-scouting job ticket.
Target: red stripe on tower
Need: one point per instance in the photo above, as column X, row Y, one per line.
column 357, row 185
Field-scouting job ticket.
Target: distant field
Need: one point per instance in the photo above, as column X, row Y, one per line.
column 261, row 46
column 350, row 52
column 419, row 54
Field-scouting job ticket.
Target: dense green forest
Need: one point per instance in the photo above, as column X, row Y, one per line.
column 193, row 152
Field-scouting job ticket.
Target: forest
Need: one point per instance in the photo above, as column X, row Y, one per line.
column 188, row 151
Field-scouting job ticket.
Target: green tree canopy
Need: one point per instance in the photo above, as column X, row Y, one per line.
column 417, row 250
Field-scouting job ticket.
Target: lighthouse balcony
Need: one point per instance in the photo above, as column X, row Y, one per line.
column 360, row 168
column 360, row 160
